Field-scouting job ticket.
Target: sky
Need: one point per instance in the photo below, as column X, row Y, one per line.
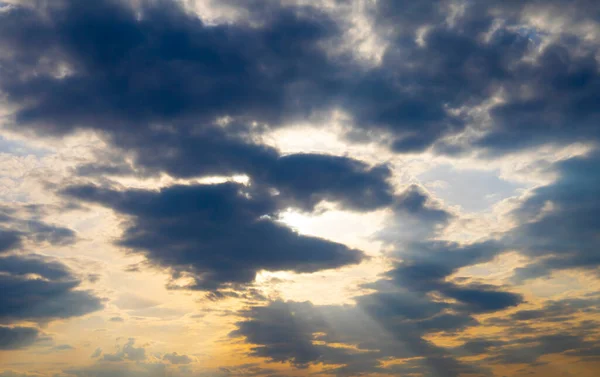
column 269, row 188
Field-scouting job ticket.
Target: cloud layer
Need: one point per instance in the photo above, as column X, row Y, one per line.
column 178, row 95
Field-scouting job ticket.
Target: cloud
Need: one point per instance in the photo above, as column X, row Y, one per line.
column 396, row 324
column 37, row 287
column 408, row 305
column 304, row 180
column 273, row 327
column 174, row 95
column 215, row 234
column 97, row 353
column 213, row 71
column 175, row 358
column 12, row 338
column 559, row 222
column 424, row 265
column 529, row 350
column 492, row 49
column 195, row 75
column 127, row 352
column 376, row 329
column 562, row 87
column 19, row 224
column 419, row 215
column 51, row 293
column 8, row 240
column 63, row 347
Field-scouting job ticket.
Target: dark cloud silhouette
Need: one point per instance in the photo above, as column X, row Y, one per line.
column 455, row 66
column 303, row 334
column 198, row 72
column 424, row 265
column 411, row 302
column 419, row 215
column 394, row 323
column 282, row 332
column 304, row 180
column 17, row 337
column 36, row 287
column 167, row 74
column 427, row 266
column 559, row 222
column 559, row 311
column 51, row 294
column 165, row 116
column 18, row 224
column 216, row 234
column 478, row 298
column 528, row 350
column 416, row 203
column 9, row 240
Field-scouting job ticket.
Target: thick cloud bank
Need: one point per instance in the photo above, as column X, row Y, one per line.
column 216, row 234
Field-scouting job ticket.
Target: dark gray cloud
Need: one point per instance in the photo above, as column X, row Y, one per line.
column 273, row 327
column 419, row 215
column 198, row 72
column 424, row 266
column 378, row 328
column 164, row 116
column 17, row 337
column 167, row 72
column 304, row 180
column 529, row 350
column 21, row 223
column 411, row 302
column 547, row 98
column 216, row 234
column 36, row 287
column 394, row 324
column 559, row 311
column 415, row 202
column 50, row 294
column 9, row 240
column 559, row 222
column 427, row 266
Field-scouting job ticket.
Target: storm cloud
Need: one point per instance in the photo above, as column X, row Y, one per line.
column 216, row 234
